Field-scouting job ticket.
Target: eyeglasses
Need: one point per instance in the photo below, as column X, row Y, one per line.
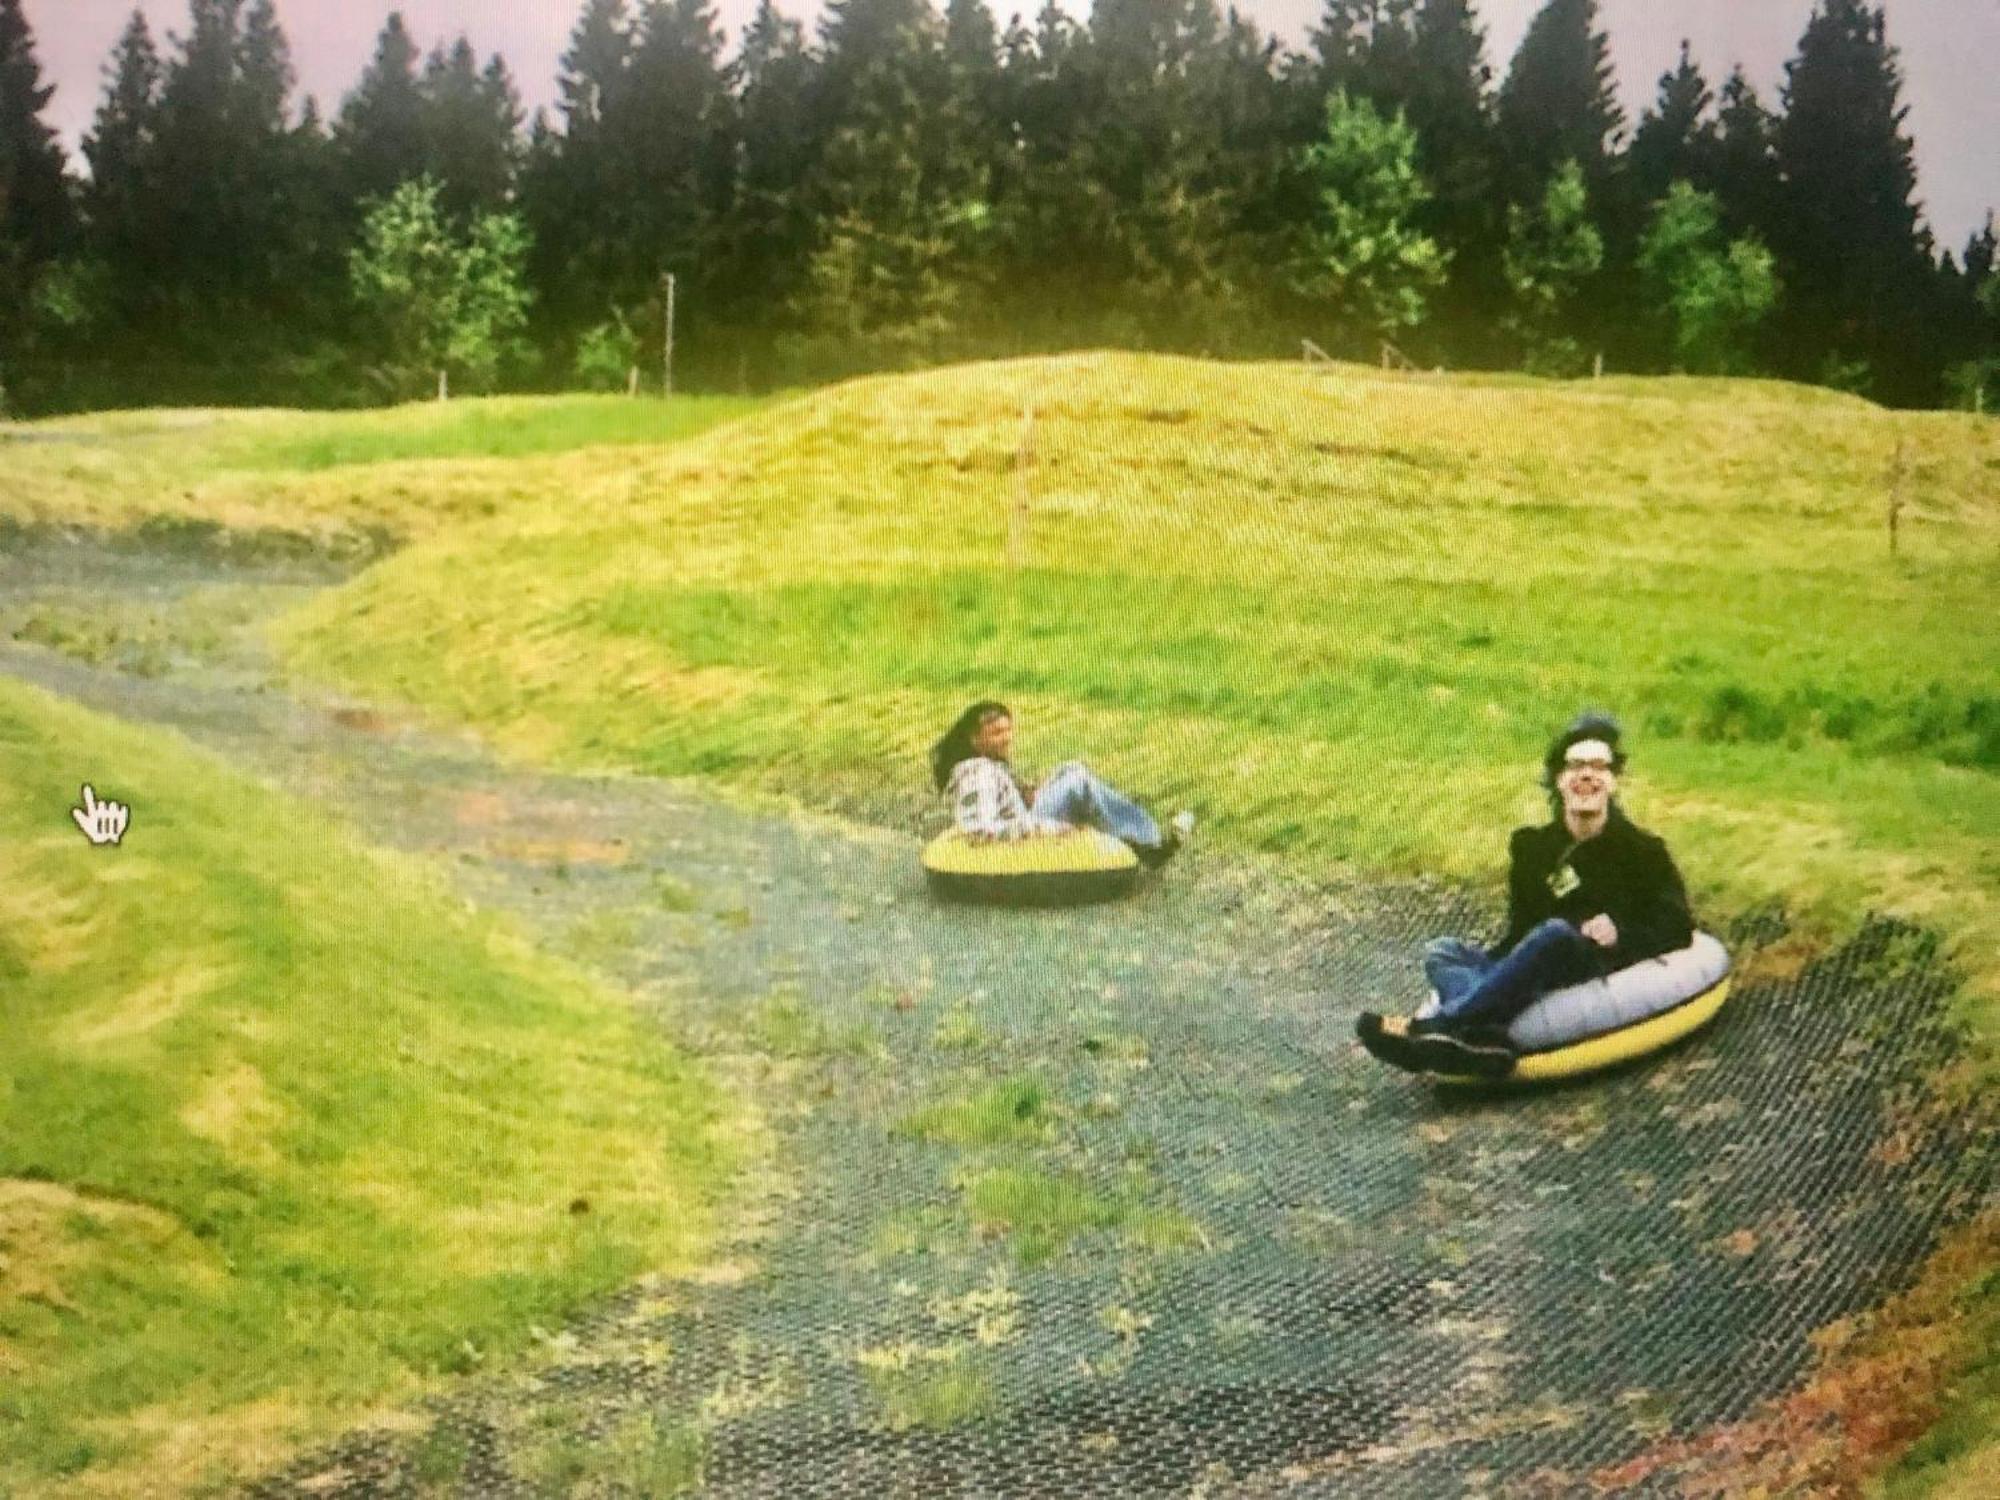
column 1600, row 766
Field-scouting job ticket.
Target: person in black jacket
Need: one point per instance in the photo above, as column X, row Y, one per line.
column 1588, row 893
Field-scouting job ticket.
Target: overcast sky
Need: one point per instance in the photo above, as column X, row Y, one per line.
column 1948, row 50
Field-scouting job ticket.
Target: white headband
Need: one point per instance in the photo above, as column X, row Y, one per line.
column 1589, row 747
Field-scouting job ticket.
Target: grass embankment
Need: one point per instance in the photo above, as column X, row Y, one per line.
column 1336, row 611
column 285, row 1135
column 324, row 477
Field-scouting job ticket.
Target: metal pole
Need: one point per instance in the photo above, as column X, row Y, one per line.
column 667, row 357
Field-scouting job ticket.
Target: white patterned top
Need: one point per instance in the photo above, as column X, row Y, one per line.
column 986, row 802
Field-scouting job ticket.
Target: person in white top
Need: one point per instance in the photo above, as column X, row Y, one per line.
column 970, row 766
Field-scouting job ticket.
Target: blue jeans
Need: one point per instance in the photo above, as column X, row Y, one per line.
column 1073, row 794
column 1475, row 988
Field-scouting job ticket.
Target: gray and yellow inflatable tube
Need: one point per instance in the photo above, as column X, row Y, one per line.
column 1640, row 1009
column 1060, row 869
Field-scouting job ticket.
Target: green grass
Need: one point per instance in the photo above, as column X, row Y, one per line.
column 1014, row 1112
column 932, row 1395
column 285, row 1135
column 399, row 472
column 1041, row 1212
column 1337, row 613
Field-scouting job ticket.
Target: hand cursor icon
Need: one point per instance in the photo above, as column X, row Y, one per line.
column 101, row 822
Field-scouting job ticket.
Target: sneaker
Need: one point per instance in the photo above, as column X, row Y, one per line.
column 1183, row 824
column 1436, row 1046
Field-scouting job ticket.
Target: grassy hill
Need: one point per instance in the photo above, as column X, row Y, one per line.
column 322, row 478
column 1337, row 611
column 285, row 1136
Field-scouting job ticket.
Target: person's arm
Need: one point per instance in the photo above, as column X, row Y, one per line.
column 1528, row 900
column 1658, row 919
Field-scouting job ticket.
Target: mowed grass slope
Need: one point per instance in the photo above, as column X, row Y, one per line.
column 1338, row 612
column 322, row 476
column 285, row 1135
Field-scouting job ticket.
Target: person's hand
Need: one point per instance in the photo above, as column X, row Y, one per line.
column 1601, row 930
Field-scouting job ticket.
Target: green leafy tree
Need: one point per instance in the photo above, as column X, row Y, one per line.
column 1552, row 251
column 607, row 356
column 444, row 302
column 1365, row 255
column 1713, row 293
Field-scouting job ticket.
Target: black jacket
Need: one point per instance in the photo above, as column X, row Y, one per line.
column 1625, row 873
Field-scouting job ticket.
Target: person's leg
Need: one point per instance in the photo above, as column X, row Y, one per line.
column 1453, row 966
column 1075, row 794
column 1550, row 956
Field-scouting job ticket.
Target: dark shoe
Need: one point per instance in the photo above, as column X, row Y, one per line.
column 1387, row 1040
column 1434, row 1045
column 1152, row 856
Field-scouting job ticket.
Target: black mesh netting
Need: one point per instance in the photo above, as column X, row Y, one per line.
column 1216, row 1250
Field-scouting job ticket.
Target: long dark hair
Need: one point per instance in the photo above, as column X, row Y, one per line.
column 957, row 742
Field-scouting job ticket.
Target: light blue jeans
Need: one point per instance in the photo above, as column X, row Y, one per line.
column 1074, row 794
column 1476, row 988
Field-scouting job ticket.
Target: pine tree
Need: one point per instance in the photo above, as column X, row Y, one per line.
column 1558, row 103
column 1966, row 324
column 231, row 244
column 120, row 149
column 569, row 177
column 1366, row 47
column 1744, row 166
column 36, row 213
column 1451, row 109
column 883, row 286
column 471, row 123
column 1855, row 259
column 769, row 227
column 668, row 145
column 1675, row 140
column 380, row 134
column 594, row 66
column 971, row 130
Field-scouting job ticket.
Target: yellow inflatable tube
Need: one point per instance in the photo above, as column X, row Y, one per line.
column 1065, row 869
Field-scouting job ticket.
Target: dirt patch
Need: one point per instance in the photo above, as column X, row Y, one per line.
column 1875, row 1388
column 237, row 1112
column 479, row 809
column 560, row 851
column 51, row 1235
column 145, row 1007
